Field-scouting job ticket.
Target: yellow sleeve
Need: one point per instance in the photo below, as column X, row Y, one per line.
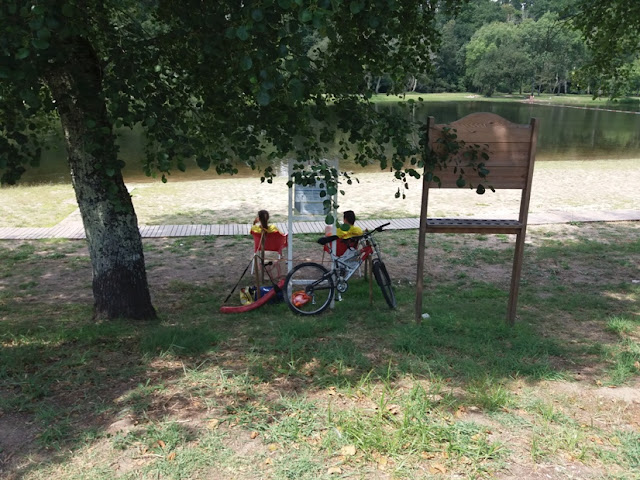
column 258, row 229
column 352, row 232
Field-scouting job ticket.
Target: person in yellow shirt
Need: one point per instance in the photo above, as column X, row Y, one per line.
column 348, row 229
column 261, row 223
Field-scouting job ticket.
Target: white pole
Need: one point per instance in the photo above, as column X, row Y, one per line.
column 290, row 220
column 334, row 212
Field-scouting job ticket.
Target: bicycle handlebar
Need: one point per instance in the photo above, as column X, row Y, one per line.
column 330, row 238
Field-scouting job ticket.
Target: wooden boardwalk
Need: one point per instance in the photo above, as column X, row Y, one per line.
column 75, row 230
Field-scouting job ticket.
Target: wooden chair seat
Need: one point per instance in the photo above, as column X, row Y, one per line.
column 473, row 225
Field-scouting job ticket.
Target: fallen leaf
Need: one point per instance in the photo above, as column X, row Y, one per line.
column 333, row 470
column 637, row 365
column 161, row 444
column 254, row 435
column 268, row 461
column 171, row 456
column 348, row 450
column 213, row 423
column 272, row 447
column 435, row 468
column 382, row 463
column 427, row 455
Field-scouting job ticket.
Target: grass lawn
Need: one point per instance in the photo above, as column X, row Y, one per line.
column 570, row 99
column 359, row 392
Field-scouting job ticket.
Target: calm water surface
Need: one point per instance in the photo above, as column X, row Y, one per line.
column 566, row 133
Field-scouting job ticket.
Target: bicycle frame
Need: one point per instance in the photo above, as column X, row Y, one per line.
column 311, row 287
column 344, row 266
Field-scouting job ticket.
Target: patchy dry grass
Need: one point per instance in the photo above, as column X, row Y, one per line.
column 360, row 392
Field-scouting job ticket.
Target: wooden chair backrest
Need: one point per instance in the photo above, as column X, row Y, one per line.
column 508, row 145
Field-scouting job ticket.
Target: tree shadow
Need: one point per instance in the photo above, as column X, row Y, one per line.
column 69, row 381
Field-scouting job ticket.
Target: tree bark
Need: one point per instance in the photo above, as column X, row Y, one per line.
column 120, row 287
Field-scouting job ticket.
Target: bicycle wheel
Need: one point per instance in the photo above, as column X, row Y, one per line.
column 309, row 289
column 383, row 280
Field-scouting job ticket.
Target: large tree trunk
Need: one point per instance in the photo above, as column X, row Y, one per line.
column 120, row 286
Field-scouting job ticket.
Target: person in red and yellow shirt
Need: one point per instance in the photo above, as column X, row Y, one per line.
column 348, row 229
column 261, row 223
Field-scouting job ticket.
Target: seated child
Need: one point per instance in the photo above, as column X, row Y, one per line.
column 261, row 223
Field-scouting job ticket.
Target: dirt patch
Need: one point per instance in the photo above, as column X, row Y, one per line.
column 18, row 435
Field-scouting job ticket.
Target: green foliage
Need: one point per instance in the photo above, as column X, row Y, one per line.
column 450, row 152
column 223, row 83
column 611, row 29
column 540, row 54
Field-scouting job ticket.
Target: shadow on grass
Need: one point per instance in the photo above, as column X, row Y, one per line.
column 71, row 379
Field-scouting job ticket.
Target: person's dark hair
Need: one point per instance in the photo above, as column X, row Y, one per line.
column 350, row 217
column 263, row 216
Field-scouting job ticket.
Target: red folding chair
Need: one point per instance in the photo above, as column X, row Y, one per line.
column 341, row 245
column 273, row 242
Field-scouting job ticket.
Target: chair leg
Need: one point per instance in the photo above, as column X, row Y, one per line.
column 515, row 278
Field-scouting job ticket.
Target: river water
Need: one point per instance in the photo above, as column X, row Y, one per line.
column 566, row 133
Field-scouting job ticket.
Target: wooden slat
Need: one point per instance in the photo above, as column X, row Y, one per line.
column 163, row 231
column 498, row 155
column 486, row 128
column 467, row 225
column 501, row 177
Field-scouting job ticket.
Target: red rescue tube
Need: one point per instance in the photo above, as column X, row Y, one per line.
column 253, row 305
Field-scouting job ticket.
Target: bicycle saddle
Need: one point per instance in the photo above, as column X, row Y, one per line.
column 328, row 239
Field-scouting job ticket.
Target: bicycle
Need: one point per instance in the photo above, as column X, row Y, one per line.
column 310, row 287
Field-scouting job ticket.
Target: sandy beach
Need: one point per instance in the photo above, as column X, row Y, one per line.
column 571, row 186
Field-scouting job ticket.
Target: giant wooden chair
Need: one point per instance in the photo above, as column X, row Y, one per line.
column 511, row 152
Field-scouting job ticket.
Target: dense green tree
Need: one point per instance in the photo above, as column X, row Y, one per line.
column 543, row 54
column 555, row 51
column 498, row 59
column 211, row 82
column 449, row 60
column 611, row 29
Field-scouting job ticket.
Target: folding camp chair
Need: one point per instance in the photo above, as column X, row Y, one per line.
column 267, row 242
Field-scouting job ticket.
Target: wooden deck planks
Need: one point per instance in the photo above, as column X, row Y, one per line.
column 157, row 231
